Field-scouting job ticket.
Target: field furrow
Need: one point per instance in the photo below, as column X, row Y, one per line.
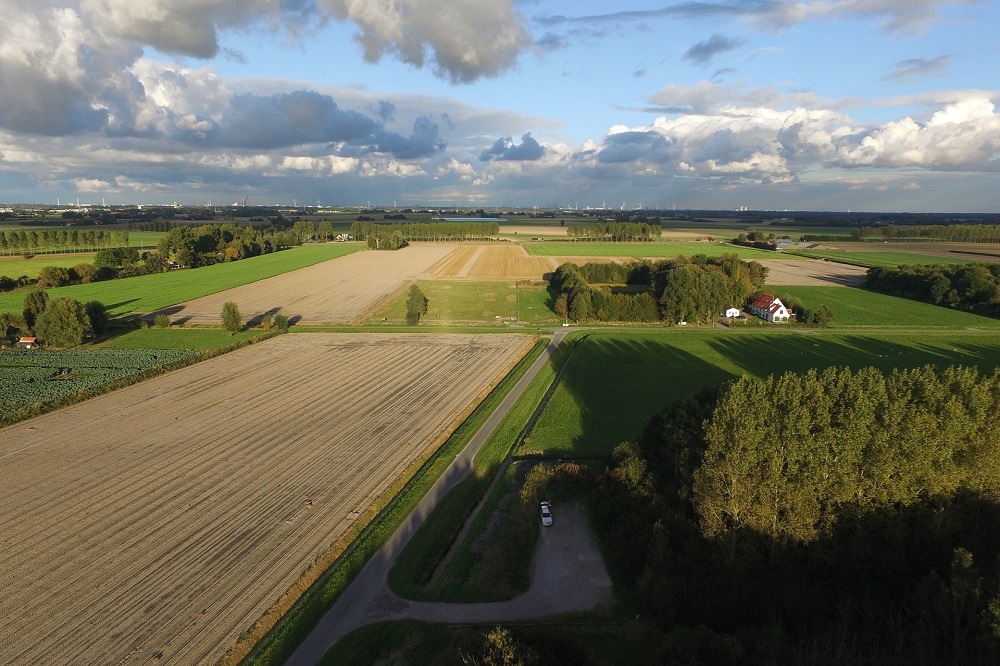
column 160, row 521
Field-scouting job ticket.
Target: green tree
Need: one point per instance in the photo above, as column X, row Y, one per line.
column 161, row 321
column 63, row 323
column 34, row 304
column 231, row 319
column 281, row 323
column 53, row 276
column 98, row 315
column 416, row 305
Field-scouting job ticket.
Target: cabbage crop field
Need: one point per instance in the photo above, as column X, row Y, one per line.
column 29, row 377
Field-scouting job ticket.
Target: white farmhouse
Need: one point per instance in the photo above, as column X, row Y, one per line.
column 770, row 307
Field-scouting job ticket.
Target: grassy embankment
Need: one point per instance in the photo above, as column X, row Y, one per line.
column 592, row 409
column 411, row 575
column 475, row 303
column 664, row 250
column 363, row 542
column 153, row 292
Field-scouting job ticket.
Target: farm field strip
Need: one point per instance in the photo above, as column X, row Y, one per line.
column 168, row 539
column 340, row 291
column 810, row 272
column 652, row 250
column 497, row 261
column 147, row 293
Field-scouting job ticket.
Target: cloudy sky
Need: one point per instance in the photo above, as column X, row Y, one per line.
column 878, row 105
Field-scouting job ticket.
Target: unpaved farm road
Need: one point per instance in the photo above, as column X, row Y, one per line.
column 568, row 572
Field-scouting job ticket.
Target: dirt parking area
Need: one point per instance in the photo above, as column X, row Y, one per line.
column 157, row 523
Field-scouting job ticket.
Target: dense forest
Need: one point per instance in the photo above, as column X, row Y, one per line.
column 207, row 244
column 829, row 517
column 697, row 288
column 971, row 287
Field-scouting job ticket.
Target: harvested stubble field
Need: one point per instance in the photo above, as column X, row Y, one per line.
column 341, row 290
column 498, row 261
column 157, row 523
column 812, row 273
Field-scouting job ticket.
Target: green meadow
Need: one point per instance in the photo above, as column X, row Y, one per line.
column 177, row 338
column 855, row 307
column 15, row 267
column 645, row 250
column 463, row 302
column 616, row 380
column 153, row 292
column 879, row 259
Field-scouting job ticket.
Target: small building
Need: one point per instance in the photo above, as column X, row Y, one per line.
column 732, row 313
column 770, row 307
column 28, row 342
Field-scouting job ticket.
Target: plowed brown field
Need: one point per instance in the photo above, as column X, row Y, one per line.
column 157, row 523
column 337, row 291
column 498, row 261
column 812, row 273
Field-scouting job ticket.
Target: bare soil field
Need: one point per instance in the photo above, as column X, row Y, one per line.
column 341, row 290
column 987, row 252
column 497, row 261
column 157, row 523
column 812, row 273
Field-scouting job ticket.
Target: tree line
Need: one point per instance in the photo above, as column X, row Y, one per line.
column 394, row 234
column 61, row 240
column 697, row 288
column 955, row 233
column 640, row 232
column 191, row 247
column 832, row 516
column 971, row 287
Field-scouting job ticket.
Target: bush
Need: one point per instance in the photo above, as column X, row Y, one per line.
column 161, row 321
column 267, row 322
column 281, row 322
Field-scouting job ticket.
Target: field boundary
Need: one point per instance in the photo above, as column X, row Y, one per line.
column 275, row 636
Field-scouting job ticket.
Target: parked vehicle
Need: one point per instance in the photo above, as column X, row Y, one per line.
column 545, row 511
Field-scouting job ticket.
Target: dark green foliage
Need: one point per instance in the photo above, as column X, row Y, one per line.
column 696, row 289
column 955, row 233
column 972, row 287
column 12, row 326
column 116, row 258
column 231, row 319
column 53, row 276
column 834, row 516
column 208, row 244
column 281, row 323
column 63, row 323
column 98, row 316
column 416, row 305
column 615, row 231
column 34, row 304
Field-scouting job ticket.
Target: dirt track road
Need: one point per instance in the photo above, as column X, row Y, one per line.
column 569, row 574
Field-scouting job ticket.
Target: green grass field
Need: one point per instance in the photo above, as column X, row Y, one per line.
column 617, row 380
column 15, row 267
column 880, row 259
column 479, row 303
column 176, row 338
column 645, row 250
column 153, row 292
column 854, row 307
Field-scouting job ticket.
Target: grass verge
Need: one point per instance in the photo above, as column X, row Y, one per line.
column 353, row 550
column 412, row 572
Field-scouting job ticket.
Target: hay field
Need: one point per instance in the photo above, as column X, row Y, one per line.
column 497, row 261
column 337, row 291
column 157, row 523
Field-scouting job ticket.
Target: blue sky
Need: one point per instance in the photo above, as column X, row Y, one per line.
column 883, row 105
